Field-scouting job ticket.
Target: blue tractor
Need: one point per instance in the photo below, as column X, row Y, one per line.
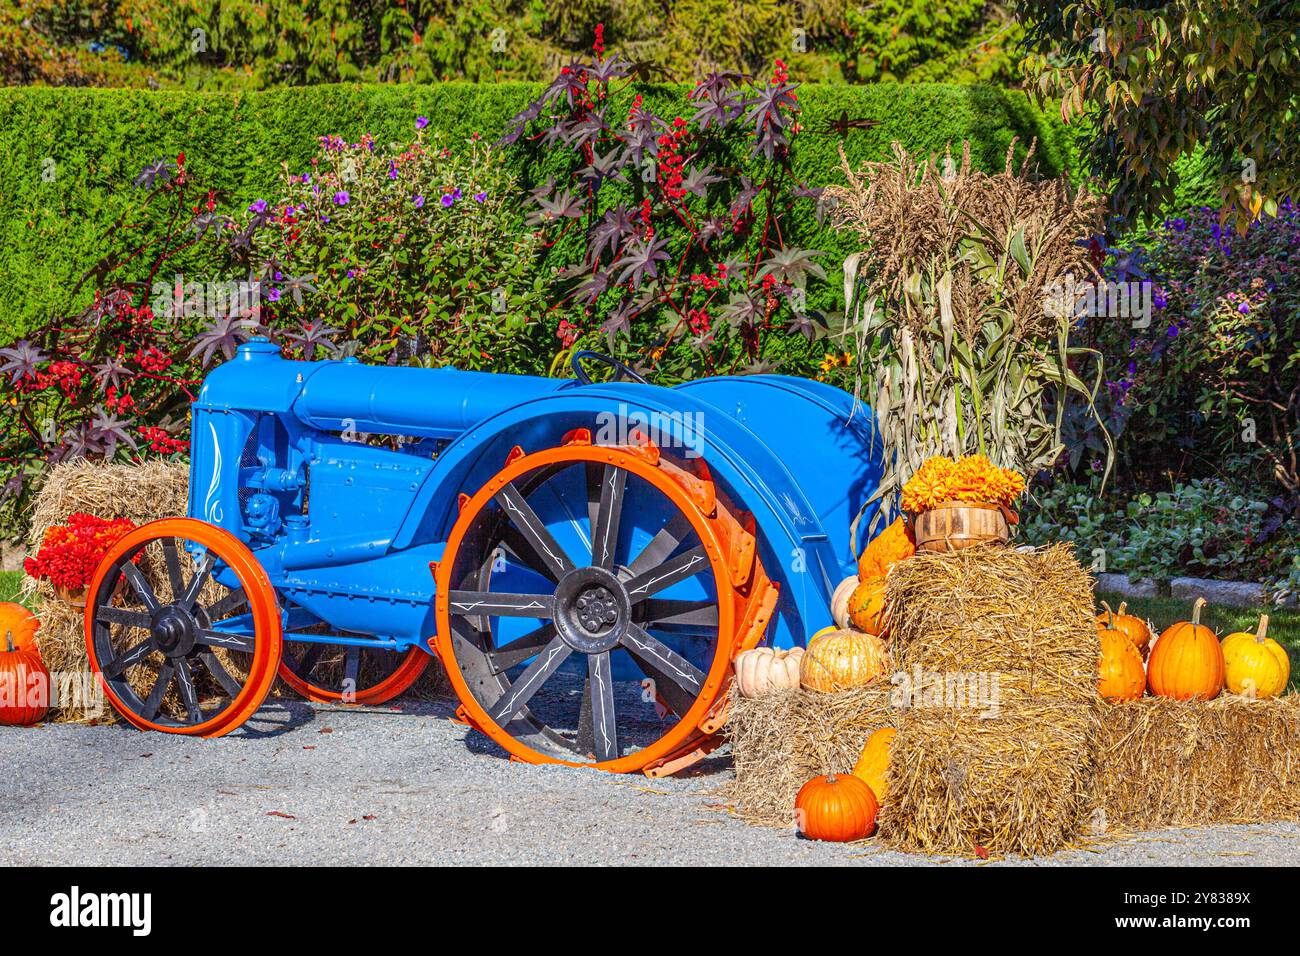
column 586, row 559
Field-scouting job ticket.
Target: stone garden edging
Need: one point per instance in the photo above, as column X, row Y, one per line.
column 1231, row 593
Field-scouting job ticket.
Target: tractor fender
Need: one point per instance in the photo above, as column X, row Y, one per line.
column 794, row 544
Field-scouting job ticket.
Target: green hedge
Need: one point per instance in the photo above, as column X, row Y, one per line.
column 50, row 231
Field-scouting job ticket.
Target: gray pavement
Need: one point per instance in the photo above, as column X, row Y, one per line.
column 310, row 784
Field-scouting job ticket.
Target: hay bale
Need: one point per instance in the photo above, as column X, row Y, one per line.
column 142, row 492
column 781, row 741
column 1176, row 763
column 996, row 747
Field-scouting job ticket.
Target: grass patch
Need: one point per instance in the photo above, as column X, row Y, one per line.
column 1283, row 623
column 10, row 582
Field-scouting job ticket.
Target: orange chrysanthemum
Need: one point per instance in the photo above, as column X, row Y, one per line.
column 972, row 478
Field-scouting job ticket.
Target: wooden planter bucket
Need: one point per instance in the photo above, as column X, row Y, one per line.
column 959, row 524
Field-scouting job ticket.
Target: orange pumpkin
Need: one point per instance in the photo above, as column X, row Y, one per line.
column 1187, row 661
column 20, row 623
column 835, row 808
column 1130, row 624
column 872, row 767
column 896, row 543
column 1255, row 665
column 843, row 660
column 24, row 685
column 867, row 606
column 1121, row 676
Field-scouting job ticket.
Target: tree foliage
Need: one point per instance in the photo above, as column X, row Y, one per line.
column 265, row 43
column 1158, row 79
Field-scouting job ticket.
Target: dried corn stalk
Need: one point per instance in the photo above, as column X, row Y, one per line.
column 950, row 304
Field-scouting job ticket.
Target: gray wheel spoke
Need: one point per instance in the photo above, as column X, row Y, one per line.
column 196, row 583
column 493, row 604
column 189, row 697
column 173, row 562
column 107, row 614
column 140, row 586
column 604, row 727
column 129, row 659
column 530, row 681
column 665, row 666
column 604, row 532
column 228, row 604
column 685, row 565
column 352, row 670
column 523, row 517
column 223, row 676
column 231, row 642
column 662, row 544
column 522, row 648
column 683, row 617
column 165, row 674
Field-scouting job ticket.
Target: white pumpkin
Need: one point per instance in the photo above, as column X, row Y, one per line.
column 840, row 600
column 765, row 670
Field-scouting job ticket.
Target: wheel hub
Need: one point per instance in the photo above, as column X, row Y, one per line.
column 174, row 631
column 592, row 610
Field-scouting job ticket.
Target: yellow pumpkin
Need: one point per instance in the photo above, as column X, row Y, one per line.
column 766, row 670
column 840, row 600
column 1121, row 675
column 1187, row 661
column 1255, row 665
column 872, row 767
column 886, row 549
column 843, row 660
column 867, row 606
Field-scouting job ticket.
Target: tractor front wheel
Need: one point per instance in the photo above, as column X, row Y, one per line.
column 173, row 649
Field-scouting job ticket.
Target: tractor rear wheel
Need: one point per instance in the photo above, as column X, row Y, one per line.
column 590, row 602
column 349, row 673
column 174, row 650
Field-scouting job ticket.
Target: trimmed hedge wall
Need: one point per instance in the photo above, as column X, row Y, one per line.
column 98, row 141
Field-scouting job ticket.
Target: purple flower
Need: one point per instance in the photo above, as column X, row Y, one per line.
column 421, row 122
column 306, row 178
column 392, row 170
column 1172, row 331
column 1244, row 308
column 341, row 198
column 480, row 197
column 1159, row 299
column 456, row 193
column 351, row 274
column 273, row 294
column 258, row 206
column 324, row 218
column 419, row 201
column 447, row 201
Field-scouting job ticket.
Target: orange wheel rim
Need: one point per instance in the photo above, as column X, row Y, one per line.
column 264, row 656
column 684, row 498
column 412, row 665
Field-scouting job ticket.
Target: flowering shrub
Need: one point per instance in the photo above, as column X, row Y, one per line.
column 411, row 252
column 969, row 478
column 1214, row 381
column 112, row 380
column 70, row 552
column 1204, row 527
column 681, row 253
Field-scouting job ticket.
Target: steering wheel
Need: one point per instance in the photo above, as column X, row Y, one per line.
column 621, row 370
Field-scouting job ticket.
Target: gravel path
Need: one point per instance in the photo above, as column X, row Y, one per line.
column 306, row 784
